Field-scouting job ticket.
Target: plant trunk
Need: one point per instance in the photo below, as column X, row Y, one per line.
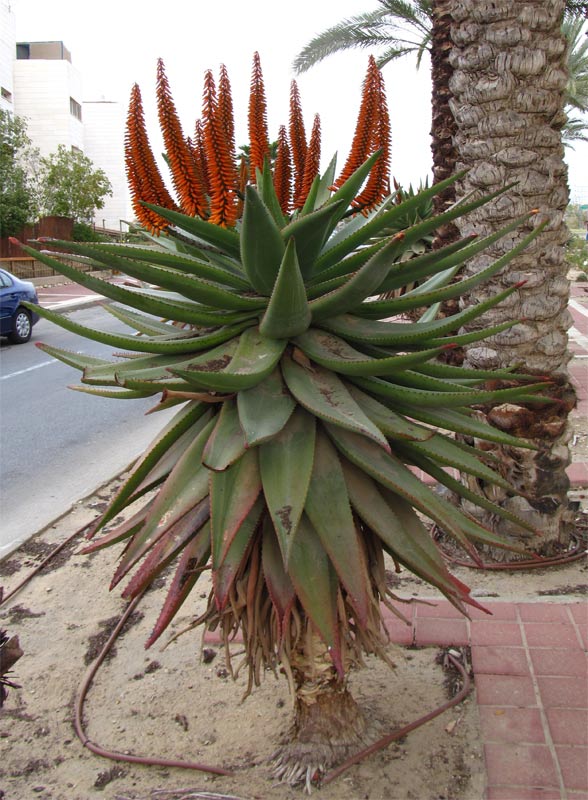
column 328, row 723
column 508, row 85
column 443, row 126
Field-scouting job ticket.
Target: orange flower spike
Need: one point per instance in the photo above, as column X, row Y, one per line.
column 378, row 184
column 145, row 181
column 200, row 154
column 226, row 125
column 258, row 136
column 297, row 137
column 283, row 171
column 311, row 164
column 223, row 207
column 362, row 138
column 184, row 172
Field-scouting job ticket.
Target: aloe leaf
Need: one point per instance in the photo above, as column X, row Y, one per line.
column 315, row 583
column 140, row 322
column 400, row 529
column 462, row 490
column 185, row 487
column 262, row 246
column 264, row 409
column 310, row 203
column 277, row 580
column 310, row 233
column 226, row 443
column 288, row 312
column 111, row 373
column 168, row 270
column 323, row 394
column 80, row 361
column 121, row 532
column 347, row 192
column 394, row 475
column 336, row 354
column 412, row 397
column 392, row 425
column 360, row 285
column 333, row 255
column 152, row 344
column 188, row 572
column 285, row 463
column 442, row 450
column 233, row 494
column 115, row 394
column 169, row 459
column 253, row 360
column 167, row 548
column 224, row 573
column 327, row 507
column 324, row 192
column 265, row 183
column 225, row 239
column 451, row 420
column 448, row 371
column 189, row 417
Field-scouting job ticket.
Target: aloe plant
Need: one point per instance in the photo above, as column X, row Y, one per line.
column 302, row 405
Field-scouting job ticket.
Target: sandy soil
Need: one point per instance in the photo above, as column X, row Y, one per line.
column 177, row 703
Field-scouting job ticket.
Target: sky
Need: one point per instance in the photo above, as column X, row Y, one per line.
column 117, row 43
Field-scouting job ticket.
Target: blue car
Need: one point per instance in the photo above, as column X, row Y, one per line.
column 16, row 321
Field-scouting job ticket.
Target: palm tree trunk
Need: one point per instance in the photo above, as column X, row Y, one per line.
column 443, row 126
column 508, row 87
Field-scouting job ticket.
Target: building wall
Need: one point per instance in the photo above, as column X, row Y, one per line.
column 104, row 130
column 43, row 93
column 7, row 50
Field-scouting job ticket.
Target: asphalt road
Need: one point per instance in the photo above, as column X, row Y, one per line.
column 57, row 445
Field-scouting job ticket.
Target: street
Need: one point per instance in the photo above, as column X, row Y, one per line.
column 57, row 445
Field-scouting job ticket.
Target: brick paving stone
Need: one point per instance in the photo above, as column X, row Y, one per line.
column 577, row 472
column 520, row 725
column 573, row 762
column 486, row 632
column 516, row 793
column 568, row 726
column 505, row 690
column 579, row 612
column 543, row 612
column 442, row 632
column 399, row 631
column 559, row 661
column 520, row 765
column 498, row 611
column 492, row 660
column 441, row 609
column 550, row 634
column 563, row 692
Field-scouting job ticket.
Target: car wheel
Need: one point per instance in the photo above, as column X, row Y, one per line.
column 22, row 326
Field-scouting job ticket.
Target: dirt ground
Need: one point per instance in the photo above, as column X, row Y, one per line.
column 180, row 703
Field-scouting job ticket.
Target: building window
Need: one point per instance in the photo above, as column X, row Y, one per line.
column 75, row 109
column 6, row 95
column 23, row 51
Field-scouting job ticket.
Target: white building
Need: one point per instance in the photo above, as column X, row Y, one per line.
column 39, row 82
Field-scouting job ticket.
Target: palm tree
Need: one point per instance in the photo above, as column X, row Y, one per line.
column 575, row 128
column 509, row 132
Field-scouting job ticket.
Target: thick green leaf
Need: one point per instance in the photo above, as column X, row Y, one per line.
column 265, row 184
column 233, row 494
column 152, row 344
column 189, row 569
column 254, row 358
column 288, row 312
column 227, row 442
column 323, row 394
column 278, row 583
column 140, row 322
column 360, row 285
column 262, row 246
column 285, row 463
column 115, row 394
column 315, row 583
column 80, row 361
column 225, row 239
column 185, row 487
column 264, row 409
column 400, row 529
column 328, row 509
column 392, row 425
column 224, row 573
column 121, row 532
column 189, row 417
column 112, row 373
column 407, row 396
column 310, row 232
column 334, row 353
